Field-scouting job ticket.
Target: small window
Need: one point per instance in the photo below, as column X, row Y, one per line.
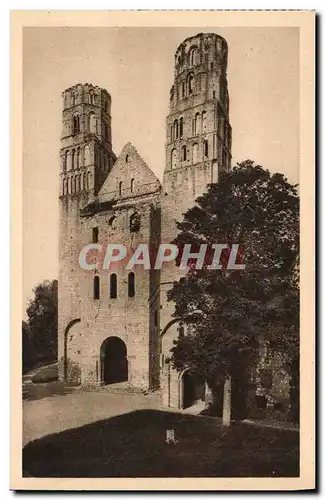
column 95, row 234
column 135, row 223
column 181, row 127
column 211, row 65
column 96, row 288
column 214, row 94
column 175, row 129
column 113, row 286
column 120, row 188
column 190, row 84
column 184, row 153
column 206, row 148
column 111, row 221
column 132, row 185
column 131, row 285
column 76, row 124
column 126, row 158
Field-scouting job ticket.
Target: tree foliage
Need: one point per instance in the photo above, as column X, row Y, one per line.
column 228, row 311
column 40, row 333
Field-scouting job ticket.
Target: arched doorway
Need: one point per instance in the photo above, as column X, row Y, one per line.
column 192, row 389
column 114, row 364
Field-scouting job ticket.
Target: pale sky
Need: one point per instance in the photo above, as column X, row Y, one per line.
column 135, row 65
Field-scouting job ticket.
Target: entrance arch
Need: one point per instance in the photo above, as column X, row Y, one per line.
column 113, row 360
column 192, row 388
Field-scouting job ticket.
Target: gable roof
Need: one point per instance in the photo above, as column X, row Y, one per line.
column 130, row 177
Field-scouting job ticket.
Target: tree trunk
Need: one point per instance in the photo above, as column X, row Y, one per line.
column 226, row 412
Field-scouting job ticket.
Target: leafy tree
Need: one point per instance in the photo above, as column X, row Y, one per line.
column 229, row 311
column 42, row 315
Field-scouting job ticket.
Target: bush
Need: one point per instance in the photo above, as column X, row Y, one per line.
column 46, row 374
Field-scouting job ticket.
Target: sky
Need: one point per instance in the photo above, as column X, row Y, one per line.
column 136, row 66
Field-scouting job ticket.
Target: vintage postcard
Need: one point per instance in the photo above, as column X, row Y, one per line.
column 162, row 243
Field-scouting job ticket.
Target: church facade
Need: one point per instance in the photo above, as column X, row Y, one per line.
column 116, row 325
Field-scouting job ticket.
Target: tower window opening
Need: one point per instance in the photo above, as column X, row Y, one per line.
column 65, row 161
column 173, row 158
column 190, row 84
column 211, row 65
column 131, row 285
column 132, row 185
column 181, row 127
column 78, row 158
column 95, row 234
column 126, row 158
column 113, row 286
column 175, row 129
column 214, row 94
column 197, row 123
column 193, row 56
column 74, row 98
column 96, row 285
column 183, row 89
column 91, row 97
column 76, row 124
column 184, row 153
column 92, row 123
column 120, row 188
column 73, row 159
column 206, row 148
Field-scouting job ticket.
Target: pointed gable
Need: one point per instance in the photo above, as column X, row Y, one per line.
column 130, row 177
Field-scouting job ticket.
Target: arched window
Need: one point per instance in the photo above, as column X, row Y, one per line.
column 79, row 182
column 73, row 159
column 175, row 129
column 68, row 185
column 193, row 56
column 92, row 123
column 73, row 185
column 132, row 185
column 181, row 127
column 195, row 153
column 131, row 285
column 87, row 156
column 76, row 124
column 183, row 89
column 91, row 97
column 113, row 286
column 120, row 188
column 96, row 286
column 65, row 161
column 184, row 153
column 84, row 183
column 134, row 223
column 197, row 124
column 89, row 180
column 78, row 158
column 173, row 158
column 190, row 84
column 204, row 123
column 74, row 98
column 206, row 148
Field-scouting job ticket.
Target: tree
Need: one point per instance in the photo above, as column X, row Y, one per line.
column 42, row 315
column 228, row 312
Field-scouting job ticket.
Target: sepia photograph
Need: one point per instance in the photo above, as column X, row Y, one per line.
column 163, row 189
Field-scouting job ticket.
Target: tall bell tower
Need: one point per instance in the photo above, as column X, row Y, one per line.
column 198, row 148
column 86, row 157
column 86, row 141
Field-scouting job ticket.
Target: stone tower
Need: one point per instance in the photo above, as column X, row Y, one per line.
column 86, row 157
column 198, row 147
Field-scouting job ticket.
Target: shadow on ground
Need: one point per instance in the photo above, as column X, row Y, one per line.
column 32, row 392
column 133, row 445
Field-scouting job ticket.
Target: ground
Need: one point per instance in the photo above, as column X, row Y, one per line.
column 71, row 433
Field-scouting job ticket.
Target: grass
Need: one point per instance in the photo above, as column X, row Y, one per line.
column 133, row 445
column 46, row 374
